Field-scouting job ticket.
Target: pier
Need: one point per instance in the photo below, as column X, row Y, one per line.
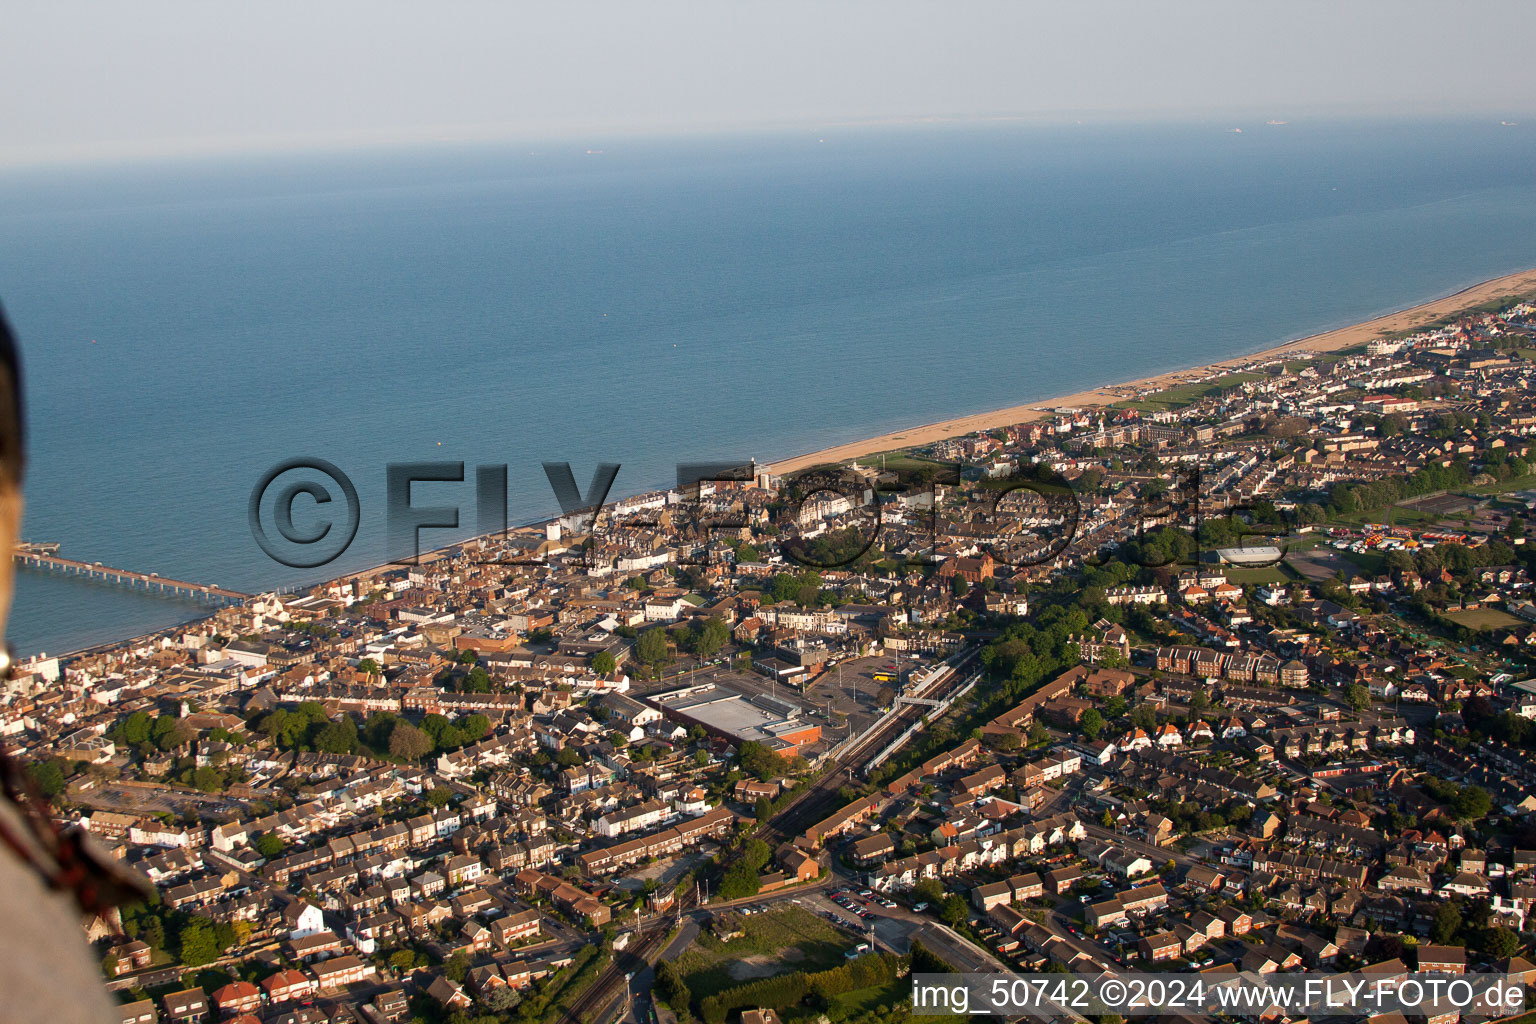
column 45, row 556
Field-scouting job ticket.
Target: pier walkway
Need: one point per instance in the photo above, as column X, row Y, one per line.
column 45, row 556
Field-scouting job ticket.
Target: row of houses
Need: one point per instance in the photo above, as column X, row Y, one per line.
column 991, row 851
column 712, row 824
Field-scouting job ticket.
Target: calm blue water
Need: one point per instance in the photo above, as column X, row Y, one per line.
column 187, row 326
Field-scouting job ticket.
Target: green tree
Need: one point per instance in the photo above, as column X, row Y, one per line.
column 756, row 854
column 760, row 761
column 408, row 742
column 457, row 966
column 198, row 945
column 269, row 844
column 1498, row 943
column 377, row 729
column 671, row 988
column 603, row 663
column 402, row 959
column 338, row 737
column 1471, row 803
column 652, row 647
column 1112, row 657
column 170, row 732
column 925, row 961
column 439, row 797
column 740, row 880
column 712, row 636
column 136, row 728
column 500, row 1000
column 47, row 776
column 928, row 891
column 1359, row 696
column 1446, row 923
column 1092, row 723
column 152, row 932
column 952, row 910
column 208, row 780
column 368, row 666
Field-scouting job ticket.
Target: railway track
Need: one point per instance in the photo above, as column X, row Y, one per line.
column 594, row 1004
column 812, row 805
column 820, row 799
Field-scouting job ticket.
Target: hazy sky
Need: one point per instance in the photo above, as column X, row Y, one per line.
column 86, row 79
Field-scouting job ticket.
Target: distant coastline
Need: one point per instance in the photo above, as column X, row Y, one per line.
column 1327, row 341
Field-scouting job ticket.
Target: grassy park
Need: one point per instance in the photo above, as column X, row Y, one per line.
column 1483, row 618
column 788, row 939
column 1188, row 394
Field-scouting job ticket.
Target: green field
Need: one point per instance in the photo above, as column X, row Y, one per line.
column 1371, row 563
column 1266, row 574
column 1514, row 483
column 1395, row 515
column 1188, row 394
column 791, row 939
column 897, row 461
column 883, row 1003
column 1484, row 618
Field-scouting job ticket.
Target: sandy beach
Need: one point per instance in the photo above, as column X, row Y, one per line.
column 1329, row 341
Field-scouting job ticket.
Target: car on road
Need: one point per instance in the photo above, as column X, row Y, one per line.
column 866, row 893
column 920, row 907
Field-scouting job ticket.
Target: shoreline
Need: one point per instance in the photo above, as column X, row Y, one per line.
column 1105, row 395
column 1325, row 341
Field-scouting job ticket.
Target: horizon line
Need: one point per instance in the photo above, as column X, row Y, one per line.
column 124, row 152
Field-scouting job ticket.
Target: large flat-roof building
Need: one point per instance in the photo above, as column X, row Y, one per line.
column 740, row 717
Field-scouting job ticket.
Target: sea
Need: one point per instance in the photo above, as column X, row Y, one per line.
column 187, row 325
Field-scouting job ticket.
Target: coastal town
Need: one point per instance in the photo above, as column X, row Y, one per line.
column 1236, row 673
